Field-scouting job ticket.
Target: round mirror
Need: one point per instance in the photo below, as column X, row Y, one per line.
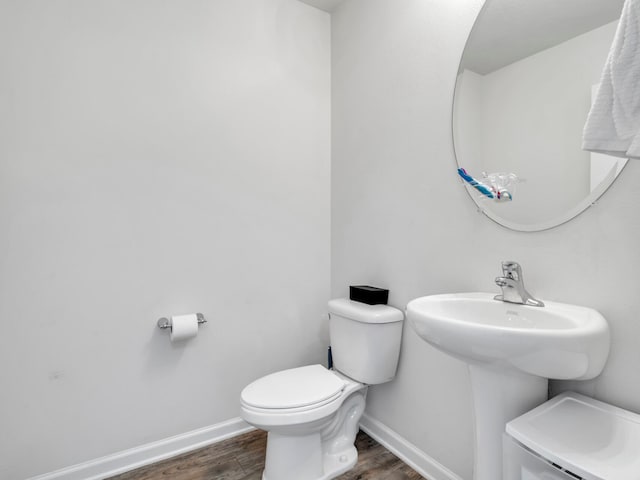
column 523, row 93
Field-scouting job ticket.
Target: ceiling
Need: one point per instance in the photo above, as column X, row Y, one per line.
column 326, row 5
column 509, row 30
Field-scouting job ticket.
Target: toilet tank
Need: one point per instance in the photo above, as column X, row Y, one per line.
column 365, row 340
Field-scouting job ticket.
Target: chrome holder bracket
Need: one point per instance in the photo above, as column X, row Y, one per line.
column 165, row 323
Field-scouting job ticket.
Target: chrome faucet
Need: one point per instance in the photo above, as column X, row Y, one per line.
column 512, row 285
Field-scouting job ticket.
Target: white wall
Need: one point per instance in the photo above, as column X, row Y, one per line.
column 400, row 219
column 156, row 158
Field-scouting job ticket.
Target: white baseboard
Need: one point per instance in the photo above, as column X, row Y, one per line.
column 407, row 452
column 126, row 460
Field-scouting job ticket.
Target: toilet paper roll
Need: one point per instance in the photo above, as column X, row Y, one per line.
column 184, row 327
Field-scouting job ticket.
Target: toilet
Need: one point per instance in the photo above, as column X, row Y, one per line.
column 311, row 413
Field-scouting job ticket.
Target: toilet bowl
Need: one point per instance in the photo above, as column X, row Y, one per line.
column 311, row 413
column 311, row 430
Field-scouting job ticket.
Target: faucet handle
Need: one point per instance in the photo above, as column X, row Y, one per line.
column 512, row 269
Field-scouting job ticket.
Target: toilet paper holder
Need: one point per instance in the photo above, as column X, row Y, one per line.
column 165, row 323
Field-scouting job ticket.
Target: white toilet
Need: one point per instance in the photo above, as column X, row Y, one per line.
column 312, row 413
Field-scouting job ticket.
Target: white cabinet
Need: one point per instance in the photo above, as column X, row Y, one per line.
column 521, row 464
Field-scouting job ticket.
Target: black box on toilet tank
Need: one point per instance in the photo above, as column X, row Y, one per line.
column 368, row 295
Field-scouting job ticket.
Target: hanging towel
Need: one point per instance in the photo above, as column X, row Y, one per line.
column 613, row 124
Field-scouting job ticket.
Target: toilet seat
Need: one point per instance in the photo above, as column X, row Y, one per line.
column 296, row 388
column 295, row 396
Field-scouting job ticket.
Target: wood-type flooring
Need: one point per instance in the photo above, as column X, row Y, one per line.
column 242, row 458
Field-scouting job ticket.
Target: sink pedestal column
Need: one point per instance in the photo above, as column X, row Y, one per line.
column 500, row 394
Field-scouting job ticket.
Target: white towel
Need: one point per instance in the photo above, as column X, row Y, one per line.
column 613, row 124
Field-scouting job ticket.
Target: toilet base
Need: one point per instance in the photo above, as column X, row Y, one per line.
column 322, row 452
column 339, row 464
column 333, row 466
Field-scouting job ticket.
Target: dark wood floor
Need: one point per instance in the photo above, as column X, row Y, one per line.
column 242, row 458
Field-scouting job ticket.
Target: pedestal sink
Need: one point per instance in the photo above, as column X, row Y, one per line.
column 512, row 350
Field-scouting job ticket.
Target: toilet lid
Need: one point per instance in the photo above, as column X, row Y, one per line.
column 293, row 388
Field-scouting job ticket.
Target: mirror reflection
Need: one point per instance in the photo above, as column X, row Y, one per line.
column 525, row 85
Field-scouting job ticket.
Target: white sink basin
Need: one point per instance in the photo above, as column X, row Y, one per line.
column 557, row 341
column 512, row 350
